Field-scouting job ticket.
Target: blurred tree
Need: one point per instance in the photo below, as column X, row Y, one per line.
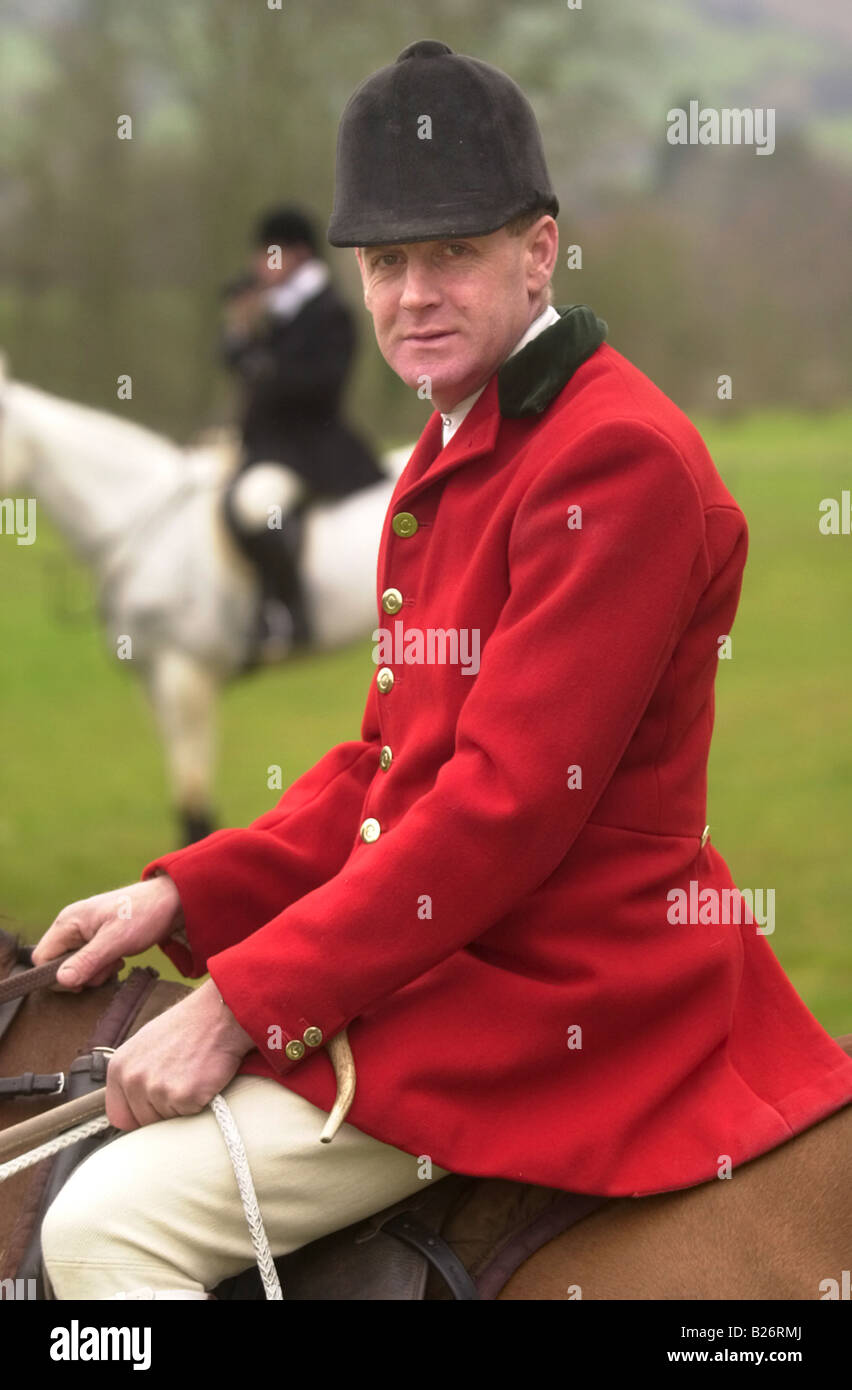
column 112, row 252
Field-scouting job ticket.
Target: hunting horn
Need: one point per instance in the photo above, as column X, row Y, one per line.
column 344, row 1071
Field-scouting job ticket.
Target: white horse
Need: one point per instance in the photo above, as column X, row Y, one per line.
column 176, row 594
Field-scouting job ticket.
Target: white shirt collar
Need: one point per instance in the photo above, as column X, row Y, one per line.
column 453, row 418
column 285, row 300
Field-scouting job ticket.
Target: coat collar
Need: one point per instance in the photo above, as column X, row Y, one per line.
column 529, row 381
column 525, row 385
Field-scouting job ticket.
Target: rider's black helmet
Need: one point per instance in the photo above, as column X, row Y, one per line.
column 285, row 226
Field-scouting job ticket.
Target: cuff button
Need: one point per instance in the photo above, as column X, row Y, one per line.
column 312, row 1036
column 295, row 1049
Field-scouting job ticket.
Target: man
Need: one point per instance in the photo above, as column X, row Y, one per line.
column 479, row 887
column 291, row 340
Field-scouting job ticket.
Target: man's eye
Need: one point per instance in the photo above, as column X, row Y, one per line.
column 386, row 258
column 456, row 249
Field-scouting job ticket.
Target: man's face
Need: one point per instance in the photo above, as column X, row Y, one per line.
column 453, row 310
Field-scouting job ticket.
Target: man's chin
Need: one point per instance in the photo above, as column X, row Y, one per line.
column 440, row 377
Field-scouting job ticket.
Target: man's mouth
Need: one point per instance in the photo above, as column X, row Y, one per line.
column 434, row 335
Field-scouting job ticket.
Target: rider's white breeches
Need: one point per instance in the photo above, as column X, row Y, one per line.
column 158, row 1208
column 264, row 493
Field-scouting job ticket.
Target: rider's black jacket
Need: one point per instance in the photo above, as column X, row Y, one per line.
column 292, row 373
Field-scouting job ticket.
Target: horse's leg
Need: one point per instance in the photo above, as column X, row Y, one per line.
column 183, row 692
column 778, row 1228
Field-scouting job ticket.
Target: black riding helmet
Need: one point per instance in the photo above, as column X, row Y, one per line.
column 436, row 144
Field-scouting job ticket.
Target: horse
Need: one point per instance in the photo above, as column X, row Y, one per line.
column 780, row 1227
column 177, row 598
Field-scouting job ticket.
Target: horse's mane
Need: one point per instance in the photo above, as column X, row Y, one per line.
column 97, row 416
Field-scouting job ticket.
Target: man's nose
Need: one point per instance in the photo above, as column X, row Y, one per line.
column 420, row 289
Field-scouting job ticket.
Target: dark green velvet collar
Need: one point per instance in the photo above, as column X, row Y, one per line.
column 529, row 381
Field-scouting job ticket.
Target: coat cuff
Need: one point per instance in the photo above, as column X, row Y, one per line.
column 182, row 957
column 188, row 945
column 285, row 1034
column 176, row 947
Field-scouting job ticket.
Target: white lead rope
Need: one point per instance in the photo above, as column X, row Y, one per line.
column 239, row 1163
column 248, row 1196
column 52, row 1146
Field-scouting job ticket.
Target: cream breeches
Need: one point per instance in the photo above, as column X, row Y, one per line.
column 158, row 1208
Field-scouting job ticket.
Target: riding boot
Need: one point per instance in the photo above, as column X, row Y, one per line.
column 286, row 576
column 283, row 620
column 277, row 555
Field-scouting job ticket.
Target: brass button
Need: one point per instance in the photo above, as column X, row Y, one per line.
column 705, row 835
column 391, row 600
column 370, row 830
column 385, row 758
column 405, row 523
column 313, row 1036
column 384, row 680
column 295, row 1049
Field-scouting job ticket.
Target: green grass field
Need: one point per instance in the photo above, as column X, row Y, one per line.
column 83, row 802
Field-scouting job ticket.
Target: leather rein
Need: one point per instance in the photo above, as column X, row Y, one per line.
column 24, row 979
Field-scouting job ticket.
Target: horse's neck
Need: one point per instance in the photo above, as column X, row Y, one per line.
column 92, row 472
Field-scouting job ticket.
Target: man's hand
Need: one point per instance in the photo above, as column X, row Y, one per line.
column 177, row 1062
column 108, row 927
column 244, row 311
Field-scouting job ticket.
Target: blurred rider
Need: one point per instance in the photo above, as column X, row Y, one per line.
column 290, row 339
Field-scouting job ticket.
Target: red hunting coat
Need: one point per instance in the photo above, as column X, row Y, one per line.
column 479, row 886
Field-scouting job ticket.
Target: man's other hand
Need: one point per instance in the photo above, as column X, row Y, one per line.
column 177, row 1062
column 244, row 311
column 106, row 928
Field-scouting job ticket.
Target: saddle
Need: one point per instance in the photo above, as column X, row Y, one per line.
column 461, row 1238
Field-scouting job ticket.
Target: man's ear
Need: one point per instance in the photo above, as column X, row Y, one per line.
column 542, row 250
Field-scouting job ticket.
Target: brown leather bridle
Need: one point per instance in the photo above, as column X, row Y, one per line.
column 24, row 979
